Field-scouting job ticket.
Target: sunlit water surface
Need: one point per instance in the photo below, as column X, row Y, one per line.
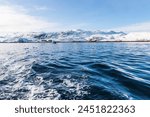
column 75, row 71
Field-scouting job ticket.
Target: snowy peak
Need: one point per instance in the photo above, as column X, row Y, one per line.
column 74, row 36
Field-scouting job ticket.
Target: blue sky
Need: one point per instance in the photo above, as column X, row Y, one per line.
column 49, row 15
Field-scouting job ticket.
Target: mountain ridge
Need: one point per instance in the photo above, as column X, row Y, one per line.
column 74, row 36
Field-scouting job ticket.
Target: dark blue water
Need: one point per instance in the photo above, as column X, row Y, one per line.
column 75, row 71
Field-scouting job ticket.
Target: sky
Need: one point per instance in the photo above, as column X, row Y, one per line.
column 58, row 15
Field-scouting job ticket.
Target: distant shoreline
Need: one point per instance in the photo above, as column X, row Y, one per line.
column 80, row 42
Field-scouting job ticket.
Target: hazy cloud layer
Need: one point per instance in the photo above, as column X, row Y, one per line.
column 139, row 27
column 16, row 19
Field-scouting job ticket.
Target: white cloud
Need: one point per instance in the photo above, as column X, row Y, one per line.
column 17, row 19
column 139, row 27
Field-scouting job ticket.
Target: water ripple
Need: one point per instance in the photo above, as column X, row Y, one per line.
column 75, row 71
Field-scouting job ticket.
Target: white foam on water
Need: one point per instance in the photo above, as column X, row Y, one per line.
column 75, row 86
column 38, row 91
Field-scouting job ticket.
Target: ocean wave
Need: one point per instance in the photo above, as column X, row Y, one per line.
column 58, row 75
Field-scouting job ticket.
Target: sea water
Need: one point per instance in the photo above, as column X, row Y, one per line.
column 88, row 71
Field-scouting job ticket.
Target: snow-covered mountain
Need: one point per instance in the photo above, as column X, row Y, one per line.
column 74, row 36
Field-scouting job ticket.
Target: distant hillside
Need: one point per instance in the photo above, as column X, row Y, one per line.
column 74, row 36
